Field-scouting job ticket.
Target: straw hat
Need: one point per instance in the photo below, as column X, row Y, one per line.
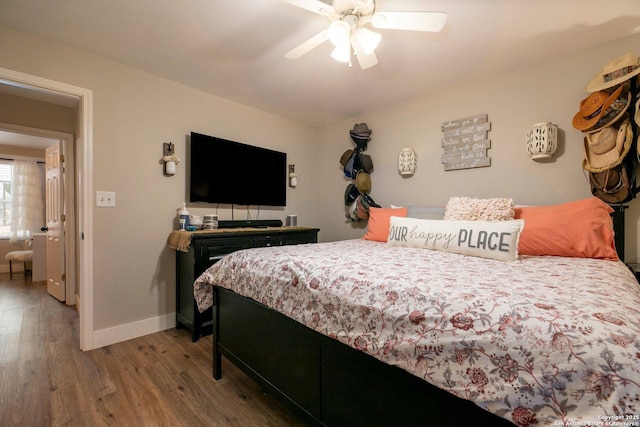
column 363, row 182
column 605, row 149
column 615, row 72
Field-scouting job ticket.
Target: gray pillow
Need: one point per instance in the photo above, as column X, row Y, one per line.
column 422, row 212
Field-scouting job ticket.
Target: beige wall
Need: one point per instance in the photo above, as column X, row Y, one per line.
column 515, row 100
column 135, row 112
column 37, row 114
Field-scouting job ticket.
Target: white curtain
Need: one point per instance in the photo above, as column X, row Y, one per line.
column 27, row 206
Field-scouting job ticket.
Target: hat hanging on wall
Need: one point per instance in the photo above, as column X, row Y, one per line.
column 615, row 72
column 607, row 148
column 358, row 166
column 600, row 108
column 361, row 135
column 363, row 182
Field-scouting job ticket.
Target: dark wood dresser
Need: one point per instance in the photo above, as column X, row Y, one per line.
column 207, row 248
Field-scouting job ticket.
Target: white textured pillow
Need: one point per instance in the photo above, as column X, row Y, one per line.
column 468, row 209
column 486, row 239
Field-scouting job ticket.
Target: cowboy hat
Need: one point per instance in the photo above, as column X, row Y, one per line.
column 594, row 107
column 606, row 149
column 613, row 113
column 617, row 71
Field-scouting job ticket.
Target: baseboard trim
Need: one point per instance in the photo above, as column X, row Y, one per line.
column 132, row 330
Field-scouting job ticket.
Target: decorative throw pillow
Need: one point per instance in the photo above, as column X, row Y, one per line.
column 378, row 226
column 486, row 239
column 582, row 228
column 470, row 209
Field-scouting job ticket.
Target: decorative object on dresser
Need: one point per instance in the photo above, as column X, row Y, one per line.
column 465, row 143
column 542, row 141
column 196, row 251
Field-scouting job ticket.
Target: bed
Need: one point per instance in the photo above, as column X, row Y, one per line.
column 362, row 332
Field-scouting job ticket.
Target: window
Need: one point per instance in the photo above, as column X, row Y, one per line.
column 6, row 173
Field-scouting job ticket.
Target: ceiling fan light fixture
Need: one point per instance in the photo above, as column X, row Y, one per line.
column 369, row 40
column 342, row 53
column 339, row 33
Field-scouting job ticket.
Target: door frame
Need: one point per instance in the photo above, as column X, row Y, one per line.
column 70, row 235
column 83, row 192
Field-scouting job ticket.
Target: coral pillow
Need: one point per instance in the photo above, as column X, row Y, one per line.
column 379, row 220
column 582, row 228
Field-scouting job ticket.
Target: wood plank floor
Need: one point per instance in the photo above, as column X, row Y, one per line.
column 161, row 379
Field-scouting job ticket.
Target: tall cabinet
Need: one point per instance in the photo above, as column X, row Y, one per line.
column 207, row 248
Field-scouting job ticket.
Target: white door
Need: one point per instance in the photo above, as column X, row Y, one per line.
column 55, row 221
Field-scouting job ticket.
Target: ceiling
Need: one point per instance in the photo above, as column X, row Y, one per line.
column 25, row 140
column 235, row 48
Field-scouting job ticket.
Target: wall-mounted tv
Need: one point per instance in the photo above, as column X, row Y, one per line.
column 228, row 172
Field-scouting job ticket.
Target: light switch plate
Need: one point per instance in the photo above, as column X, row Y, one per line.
column 106, row 199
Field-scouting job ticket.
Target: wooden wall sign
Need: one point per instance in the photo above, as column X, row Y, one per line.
column 465, row 143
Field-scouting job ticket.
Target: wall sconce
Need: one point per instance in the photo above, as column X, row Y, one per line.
column 407, row 162
column 293, row 177
column 169, row 159
column 542, row 141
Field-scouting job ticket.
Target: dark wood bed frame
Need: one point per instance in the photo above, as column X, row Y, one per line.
column 326, row 382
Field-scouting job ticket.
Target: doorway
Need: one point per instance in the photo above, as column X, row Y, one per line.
column 33, row 86
column 42, row 139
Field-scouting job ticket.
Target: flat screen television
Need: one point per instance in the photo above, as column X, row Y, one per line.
column 229, row 172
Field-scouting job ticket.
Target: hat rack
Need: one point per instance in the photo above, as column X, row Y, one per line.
column 357, row 167
column 607, row 87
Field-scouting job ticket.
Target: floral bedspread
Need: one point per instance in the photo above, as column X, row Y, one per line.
column 538, row 341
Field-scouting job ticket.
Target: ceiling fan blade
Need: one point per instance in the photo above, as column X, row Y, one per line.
column 305, row 47
column 415, row 21
column 365, row 61
column 314, row 6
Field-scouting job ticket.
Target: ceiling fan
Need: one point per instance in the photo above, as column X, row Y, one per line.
column 347, row 31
